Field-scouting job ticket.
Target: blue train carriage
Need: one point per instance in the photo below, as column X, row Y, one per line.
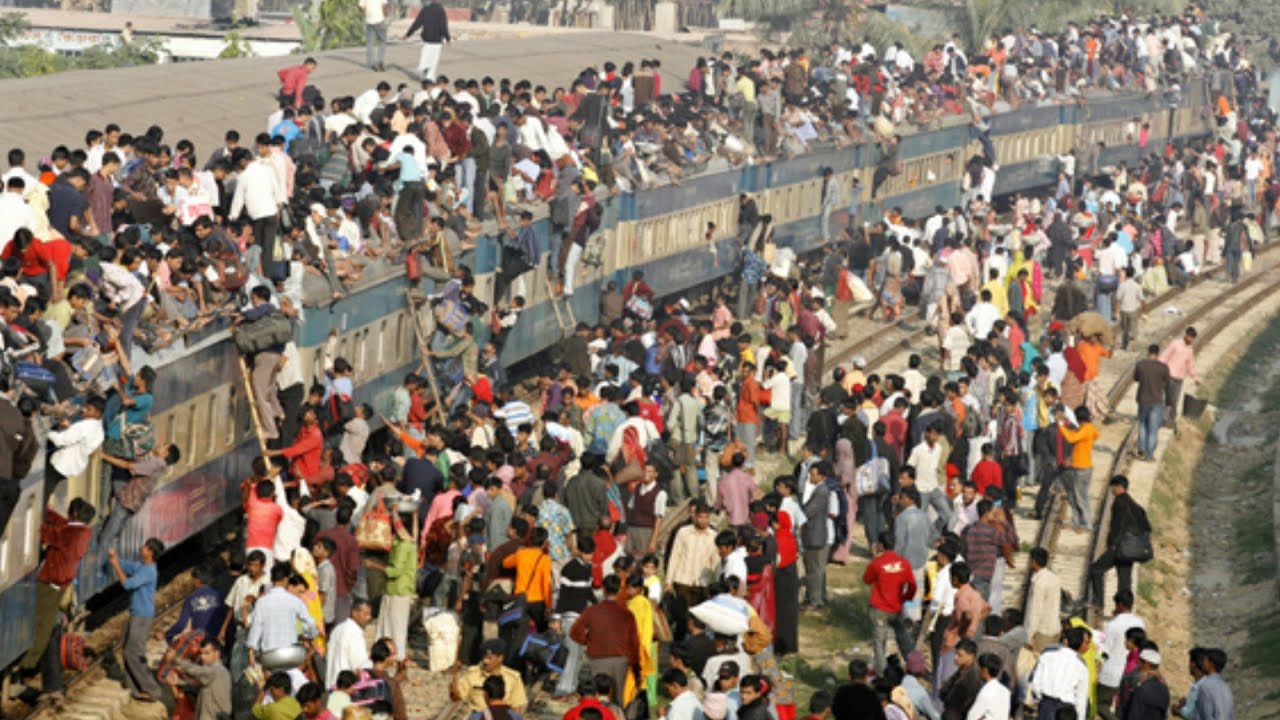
column 200, row 403
column 19, row 561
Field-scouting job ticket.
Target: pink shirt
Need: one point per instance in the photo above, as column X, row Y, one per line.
column 733, row 495
column 1181, row 359
column 441, row 506
column 263, row 517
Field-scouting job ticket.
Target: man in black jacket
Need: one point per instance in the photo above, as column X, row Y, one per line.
column 1126, row 517
column 434, row 26
column 856, row 698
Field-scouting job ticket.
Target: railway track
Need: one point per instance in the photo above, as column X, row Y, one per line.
column 1071, row 554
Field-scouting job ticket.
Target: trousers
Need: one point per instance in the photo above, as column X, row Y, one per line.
column 1078, row 493
column 429, row 61
column 1098, row 571
column 138, row 676
column 616, row 667
column 815, row 575
column 375, row 43
column 48, row 603
column 393, row 621
column 684, row 484
column 869, row 514
column 881, row 623
column 1150, row 418
column 265, row 367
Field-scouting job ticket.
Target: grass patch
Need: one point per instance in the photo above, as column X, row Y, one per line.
column 1255, row 541
column 1263, row 649
column 1147, row 590
column 1241, row 381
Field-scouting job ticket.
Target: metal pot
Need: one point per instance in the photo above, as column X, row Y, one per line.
column 285, row 658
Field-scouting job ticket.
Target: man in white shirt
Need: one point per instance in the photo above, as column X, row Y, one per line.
column 260, row 194
column 375, row 33
column 955, row 343
column 1061, row 678
column 1114, row 653
column 982, row 316
column 290, row 530
column 370, row 100
column 1043, row 620
column 346, row 646
column 15, row 213
column 733, row 559
column 993, row 701
column 16, row 160
column 684, row 704
column 75, row 443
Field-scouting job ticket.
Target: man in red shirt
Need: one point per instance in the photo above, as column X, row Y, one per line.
column 987, row 472
column 293, row 81
column 608, row 632
column 892, row 583
column 262, row 516
column 306, row 449
column 65, row 541
column 750, row 399
column 895, row 425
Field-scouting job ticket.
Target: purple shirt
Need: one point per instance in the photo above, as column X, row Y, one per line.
column 734, row 496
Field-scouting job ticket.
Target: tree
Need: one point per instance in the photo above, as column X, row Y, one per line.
column 12, row 25
column 237, row 46
column 337, row 24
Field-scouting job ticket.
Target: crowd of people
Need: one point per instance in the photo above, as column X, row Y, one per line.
column 640, row 526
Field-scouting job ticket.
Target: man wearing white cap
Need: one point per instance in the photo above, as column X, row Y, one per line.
column 1150, row 699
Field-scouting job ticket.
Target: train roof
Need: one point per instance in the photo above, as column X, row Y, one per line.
column 202, row 100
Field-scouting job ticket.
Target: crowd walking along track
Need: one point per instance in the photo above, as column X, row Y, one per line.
column 1072, row 553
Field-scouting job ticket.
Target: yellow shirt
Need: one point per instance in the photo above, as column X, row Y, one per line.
column 748, row 88
column 999, row 295
column 469, row 686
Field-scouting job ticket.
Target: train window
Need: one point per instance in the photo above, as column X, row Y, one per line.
column 31, row 540
column 211, row 424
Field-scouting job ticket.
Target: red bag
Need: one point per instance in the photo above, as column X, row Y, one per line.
column 71, row 652
column 843, row 293
column 186, row 646
column 412, row 270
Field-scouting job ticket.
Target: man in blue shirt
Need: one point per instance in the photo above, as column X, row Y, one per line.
column 287, row 128
column 277, row 617
column 139, row 578
column 203, row 609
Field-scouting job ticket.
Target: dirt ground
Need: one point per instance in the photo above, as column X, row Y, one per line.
column 1214, row 582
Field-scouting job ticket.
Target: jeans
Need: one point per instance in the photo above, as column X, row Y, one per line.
column 749, row 433
column 869, row 514
column 1078, row 493
column 881, row 623
column 114, row 526
column 467, row 181
column 937, row 499
column 1049, row 474
column 129, row 324
column 375, row 36
column 1098, row 570
column 1150, row 418
column 815, row 575
column 1103, row 302
column 1232, row 260
column 568, row 683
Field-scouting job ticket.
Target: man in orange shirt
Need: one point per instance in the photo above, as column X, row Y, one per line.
column 1080, row 471
column 532, row 564
column 751, row 397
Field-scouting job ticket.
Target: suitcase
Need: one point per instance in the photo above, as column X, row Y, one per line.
column 37, row 379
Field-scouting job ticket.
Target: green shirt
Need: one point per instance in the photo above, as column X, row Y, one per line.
column 402, row 569
column 285, row 708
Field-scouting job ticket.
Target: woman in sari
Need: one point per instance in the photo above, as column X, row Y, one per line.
column 786, row 585
column 642, row 609
column 305, row 566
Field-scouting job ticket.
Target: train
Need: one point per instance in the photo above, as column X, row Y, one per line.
column 199, row 400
